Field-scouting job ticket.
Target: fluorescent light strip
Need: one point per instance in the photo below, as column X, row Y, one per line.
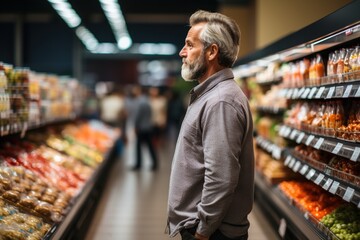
column 116, row 19
column 87, row 38
column 66, row 12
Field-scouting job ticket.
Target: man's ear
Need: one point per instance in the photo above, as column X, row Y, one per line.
column 213, row 52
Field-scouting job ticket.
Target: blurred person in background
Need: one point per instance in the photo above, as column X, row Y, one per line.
column 175, row 113
column 158, row 105
column 144, row 128
column 113, row 113
column 211, row 188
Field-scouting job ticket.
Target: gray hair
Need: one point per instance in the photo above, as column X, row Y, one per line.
column 220, row 30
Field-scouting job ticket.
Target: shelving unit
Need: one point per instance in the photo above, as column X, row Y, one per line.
column 342, row 28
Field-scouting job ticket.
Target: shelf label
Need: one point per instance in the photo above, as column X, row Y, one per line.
column 291, row 165
column 282, row 130
column 300, row 137
column 297, row 166
column 319, row 143
column 309, row 139
column 289, row 93
column 282, row 228
column 304, row 169
column 328, row 184
column 337, row 148
column 319, row 178
column 339, row 90
column 349, row 193
column 331, row 92
column 310, row 174
column 347, row 91
column 293, row 134
column 276, row 153
column 320, row 92
column 306, row 92
column 334, row 187
column 301, row 91
column 287, row 132
column 295, row 93
column 306, row 215
column 287, row 160
column 355, row 155
column 312, row 92
column 357, row 94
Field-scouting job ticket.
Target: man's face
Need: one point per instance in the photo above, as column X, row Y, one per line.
column 192, row 54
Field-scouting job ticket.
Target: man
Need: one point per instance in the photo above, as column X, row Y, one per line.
column 212, row 176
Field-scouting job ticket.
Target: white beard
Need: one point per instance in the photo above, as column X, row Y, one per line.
column 194, row 71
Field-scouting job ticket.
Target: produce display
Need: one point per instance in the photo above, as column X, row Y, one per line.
column 310, row 197
column 344, row 222
column 39, row 184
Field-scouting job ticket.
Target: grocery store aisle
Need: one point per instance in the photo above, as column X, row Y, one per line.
column 133, row 205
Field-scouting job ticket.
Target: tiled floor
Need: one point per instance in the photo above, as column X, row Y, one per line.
column 133, row 206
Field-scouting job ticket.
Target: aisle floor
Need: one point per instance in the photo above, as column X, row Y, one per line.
column 133, row 205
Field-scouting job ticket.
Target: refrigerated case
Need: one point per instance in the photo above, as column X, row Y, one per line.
column 307, row 130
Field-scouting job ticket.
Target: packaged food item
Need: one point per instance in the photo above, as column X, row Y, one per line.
column 355, row 63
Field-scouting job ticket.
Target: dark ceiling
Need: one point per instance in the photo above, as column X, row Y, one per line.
column 155, row 21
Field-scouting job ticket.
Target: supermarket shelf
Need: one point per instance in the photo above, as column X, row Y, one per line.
column 331, row 184
column 349, row 89
column 269, row 82
column 274, row 150
column 76, row 217
column 290, row 221
column 335, row 146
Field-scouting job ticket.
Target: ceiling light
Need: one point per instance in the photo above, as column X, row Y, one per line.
column 66, row 12
column 116, row 20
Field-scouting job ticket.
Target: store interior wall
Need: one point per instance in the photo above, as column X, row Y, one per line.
column 278, row 18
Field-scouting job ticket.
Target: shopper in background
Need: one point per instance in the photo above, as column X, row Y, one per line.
column 158, row 105
column 113, row 113
column 212, row 176
column 144, row 128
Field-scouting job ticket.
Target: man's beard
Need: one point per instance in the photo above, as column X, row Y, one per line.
column 193, row 71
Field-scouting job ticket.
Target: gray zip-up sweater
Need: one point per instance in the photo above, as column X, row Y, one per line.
column 212, row 176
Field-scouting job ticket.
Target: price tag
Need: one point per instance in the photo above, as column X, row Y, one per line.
column 306, row 215
column 337, row 148
column 289, row 93
column 310, row 174
column 334, row 187
column 319, row 178
column 355, row 155
column 319, row 143
column 306, row 93
column 328, row 184
column 287, row 160
column 297, row 166
column 287, row 132
column 300, row 137
column 282, row 130
column 312, row 92
column 320, row 92
column 276, row 153
column 301, row 91
column 304, row 169
column 349, row 193
column 331, row 92
column 339, row 91
column 347, row 91
column 309, row 139
column 293, row 134
column 291, row 165
column 282, row 228
column 295, row 94
column 357, row 94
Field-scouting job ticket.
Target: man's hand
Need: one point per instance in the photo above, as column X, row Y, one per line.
column 200, row 237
